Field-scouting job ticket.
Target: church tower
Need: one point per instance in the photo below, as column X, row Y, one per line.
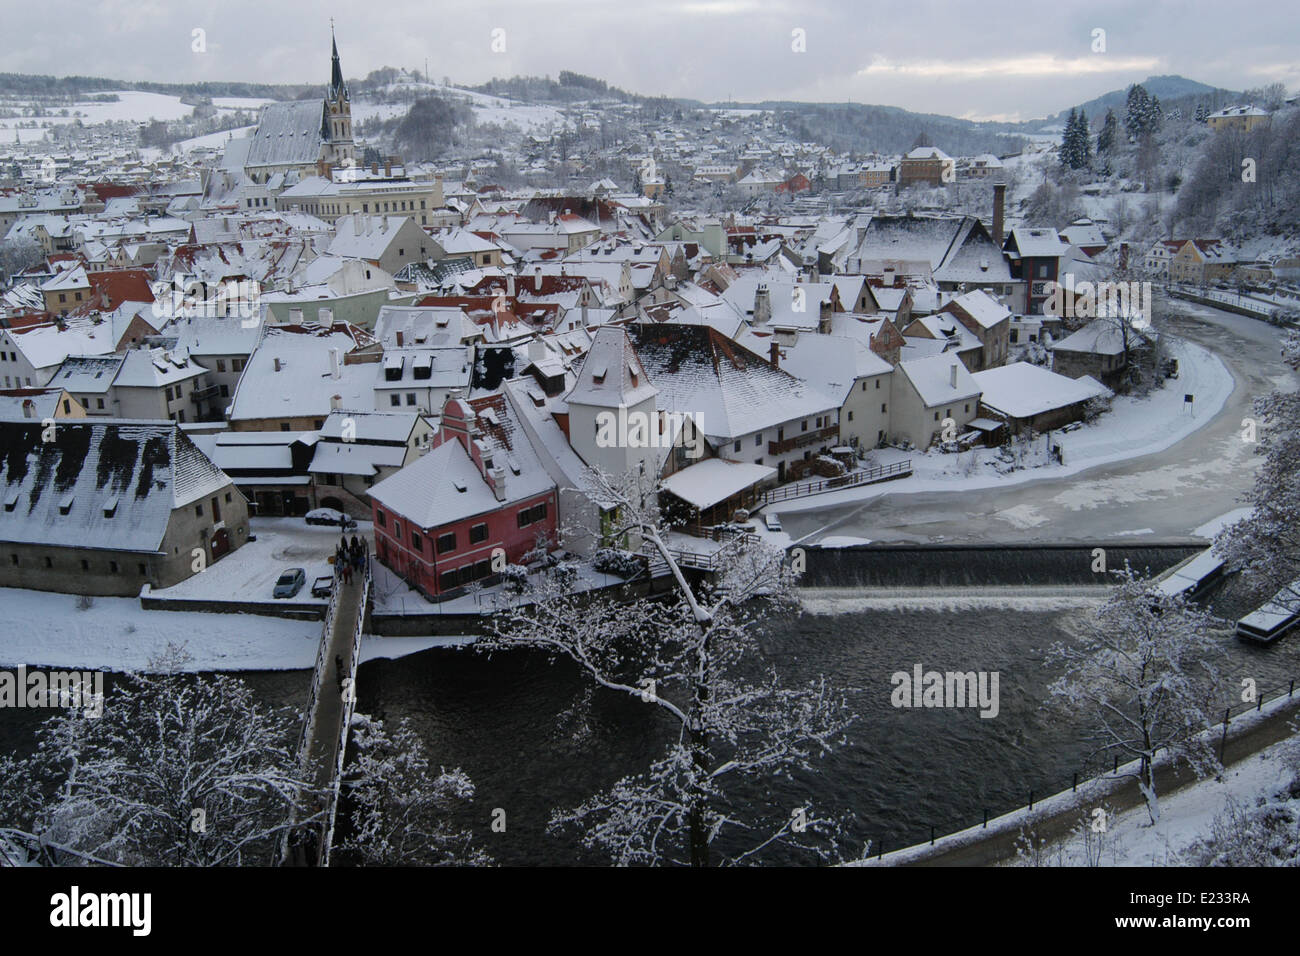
column 341, row 149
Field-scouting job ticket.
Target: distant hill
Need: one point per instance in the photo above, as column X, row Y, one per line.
column 1166, row 88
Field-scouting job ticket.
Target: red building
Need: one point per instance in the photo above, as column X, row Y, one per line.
column 479, row 493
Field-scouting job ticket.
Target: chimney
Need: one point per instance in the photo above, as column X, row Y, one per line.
column 499, row 482
column 536, row 349
column 401, row 338
column 774, row 354
column 277, row 364
column 999, row 200
column 584, row 312
column 374, row 168
column 325, row 316
column 336, row 401
column 824, row 317
column 1123, row 256
column 510, row 287
column 537, row 279
column 29, row 408
column 334, row 364
column 388, row 168
column 952, row 376
column 762, row 305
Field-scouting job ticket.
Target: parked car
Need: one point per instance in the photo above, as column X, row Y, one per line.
column 773, row 522
column 330, row 516
column 290, row 583
column 322, row 586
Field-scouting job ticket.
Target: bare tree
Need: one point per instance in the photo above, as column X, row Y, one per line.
column 1266, row 544
column 1145, row 679
column 399, row 803
column 693, row 656
column 180, row 770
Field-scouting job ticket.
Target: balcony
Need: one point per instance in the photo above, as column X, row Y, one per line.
column 204, row 394
column 831, row 432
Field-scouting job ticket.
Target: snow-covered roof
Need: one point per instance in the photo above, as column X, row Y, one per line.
column 933, row 378
column 369, row 426
column 355, row 458
column 983, row 308
column 708, row 482
column 1022, row 390
column 611, row 373
column 444, row 486
column 110, row 485
column 1037, row 242
column 728, row 390
column 1098, row 337
column 303, row 386
column 288, row 133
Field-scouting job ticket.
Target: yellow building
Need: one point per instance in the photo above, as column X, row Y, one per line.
column 1243, row 118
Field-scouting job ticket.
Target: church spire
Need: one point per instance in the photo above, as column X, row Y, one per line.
column 336, row 72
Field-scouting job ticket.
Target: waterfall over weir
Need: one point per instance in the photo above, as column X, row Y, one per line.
column 980, row 565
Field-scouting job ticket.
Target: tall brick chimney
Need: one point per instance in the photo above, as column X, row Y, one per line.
column 999, row 200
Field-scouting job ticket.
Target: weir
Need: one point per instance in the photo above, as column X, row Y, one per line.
column 976, row 565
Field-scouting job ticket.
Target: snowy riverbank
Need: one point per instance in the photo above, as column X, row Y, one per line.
column 1132, row 428
column 45, row 629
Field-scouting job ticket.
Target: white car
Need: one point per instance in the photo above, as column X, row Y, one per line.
column 773, row 522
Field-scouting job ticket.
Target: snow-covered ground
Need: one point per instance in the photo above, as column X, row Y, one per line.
column 249, row 574
column 1186, row 817
column 497, row 110
column 1132, row 428
column 213, row 140
column 50, row 630
column 45, row 629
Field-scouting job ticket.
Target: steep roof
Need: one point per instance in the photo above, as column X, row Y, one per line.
column 110, row 485
column 611, row 373
column 726, row 388
column 289, row 134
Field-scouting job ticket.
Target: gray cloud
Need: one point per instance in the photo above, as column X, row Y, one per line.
column 988, row 59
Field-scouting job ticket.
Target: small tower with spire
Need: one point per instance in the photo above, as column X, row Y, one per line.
column 339, row 110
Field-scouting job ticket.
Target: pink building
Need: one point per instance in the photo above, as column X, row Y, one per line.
column 479, row 492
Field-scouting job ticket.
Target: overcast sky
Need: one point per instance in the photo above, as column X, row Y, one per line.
column 990, row 59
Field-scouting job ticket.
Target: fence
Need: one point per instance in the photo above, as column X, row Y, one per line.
column 349, row 707
column 867, row 476
column 703, row 561
column 1091, row 770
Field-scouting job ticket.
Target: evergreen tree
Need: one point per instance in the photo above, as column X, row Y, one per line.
column 1075, row 152
column 1106, row 138
column 1069, row 141
column 1137, row 111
